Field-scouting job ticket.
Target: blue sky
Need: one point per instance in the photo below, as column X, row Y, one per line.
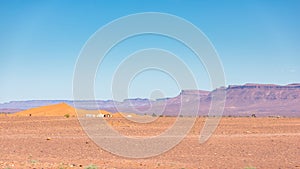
column 258, row 41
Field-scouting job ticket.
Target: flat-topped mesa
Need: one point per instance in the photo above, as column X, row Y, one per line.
column 263, row 99
column 263, row 86
column 297, row 85
column 137, row 102
column 135, row 99
column 194, row 92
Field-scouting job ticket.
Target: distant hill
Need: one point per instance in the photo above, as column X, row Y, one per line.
column 241, row 100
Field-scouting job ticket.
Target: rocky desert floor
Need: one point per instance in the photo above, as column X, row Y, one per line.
column 59, row 142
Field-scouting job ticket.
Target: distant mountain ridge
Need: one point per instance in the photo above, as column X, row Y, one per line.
column 241, row 100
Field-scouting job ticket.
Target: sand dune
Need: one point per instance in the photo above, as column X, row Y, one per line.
column 63, row 109
column 60, row 109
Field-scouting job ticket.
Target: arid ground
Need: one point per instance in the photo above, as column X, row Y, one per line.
column 59, row 142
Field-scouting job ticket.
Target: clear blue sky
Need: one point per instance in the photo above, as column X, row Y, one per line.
column 258, row 41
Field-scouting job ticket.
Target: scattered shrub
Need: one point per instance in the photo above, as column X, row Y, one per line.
column 92, row 166
column 33, row 161
column 249, row 168
column 62, row 167
column 66, row 115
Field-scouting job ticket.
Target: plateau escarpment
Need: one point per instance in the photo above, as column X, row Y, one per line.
column 241, row 100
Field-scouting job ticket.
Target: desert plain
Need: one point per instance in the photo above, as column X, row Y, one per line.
column 238, row 142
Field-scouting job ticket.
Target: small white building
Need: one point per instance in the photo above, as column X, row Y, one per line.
column 100, row 115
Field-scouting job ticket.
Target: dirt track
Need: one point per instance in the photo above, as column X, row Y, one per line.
column 57, row 142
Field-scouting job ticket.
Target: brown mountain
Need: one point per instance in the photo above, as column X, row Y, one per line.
column 241, row 100
column 263, row 99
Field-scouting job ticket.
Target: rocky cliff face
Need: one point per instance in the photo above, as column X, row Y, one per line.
column 241, row 100
column 263, row 99
column 257, row 93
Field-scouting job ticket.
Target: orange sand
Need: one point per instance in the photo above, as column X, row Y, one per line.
column 59, row 109
column 62, row 109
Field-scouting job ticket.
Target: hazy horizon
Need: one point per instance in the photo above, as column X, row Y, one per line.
column 96, row 99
